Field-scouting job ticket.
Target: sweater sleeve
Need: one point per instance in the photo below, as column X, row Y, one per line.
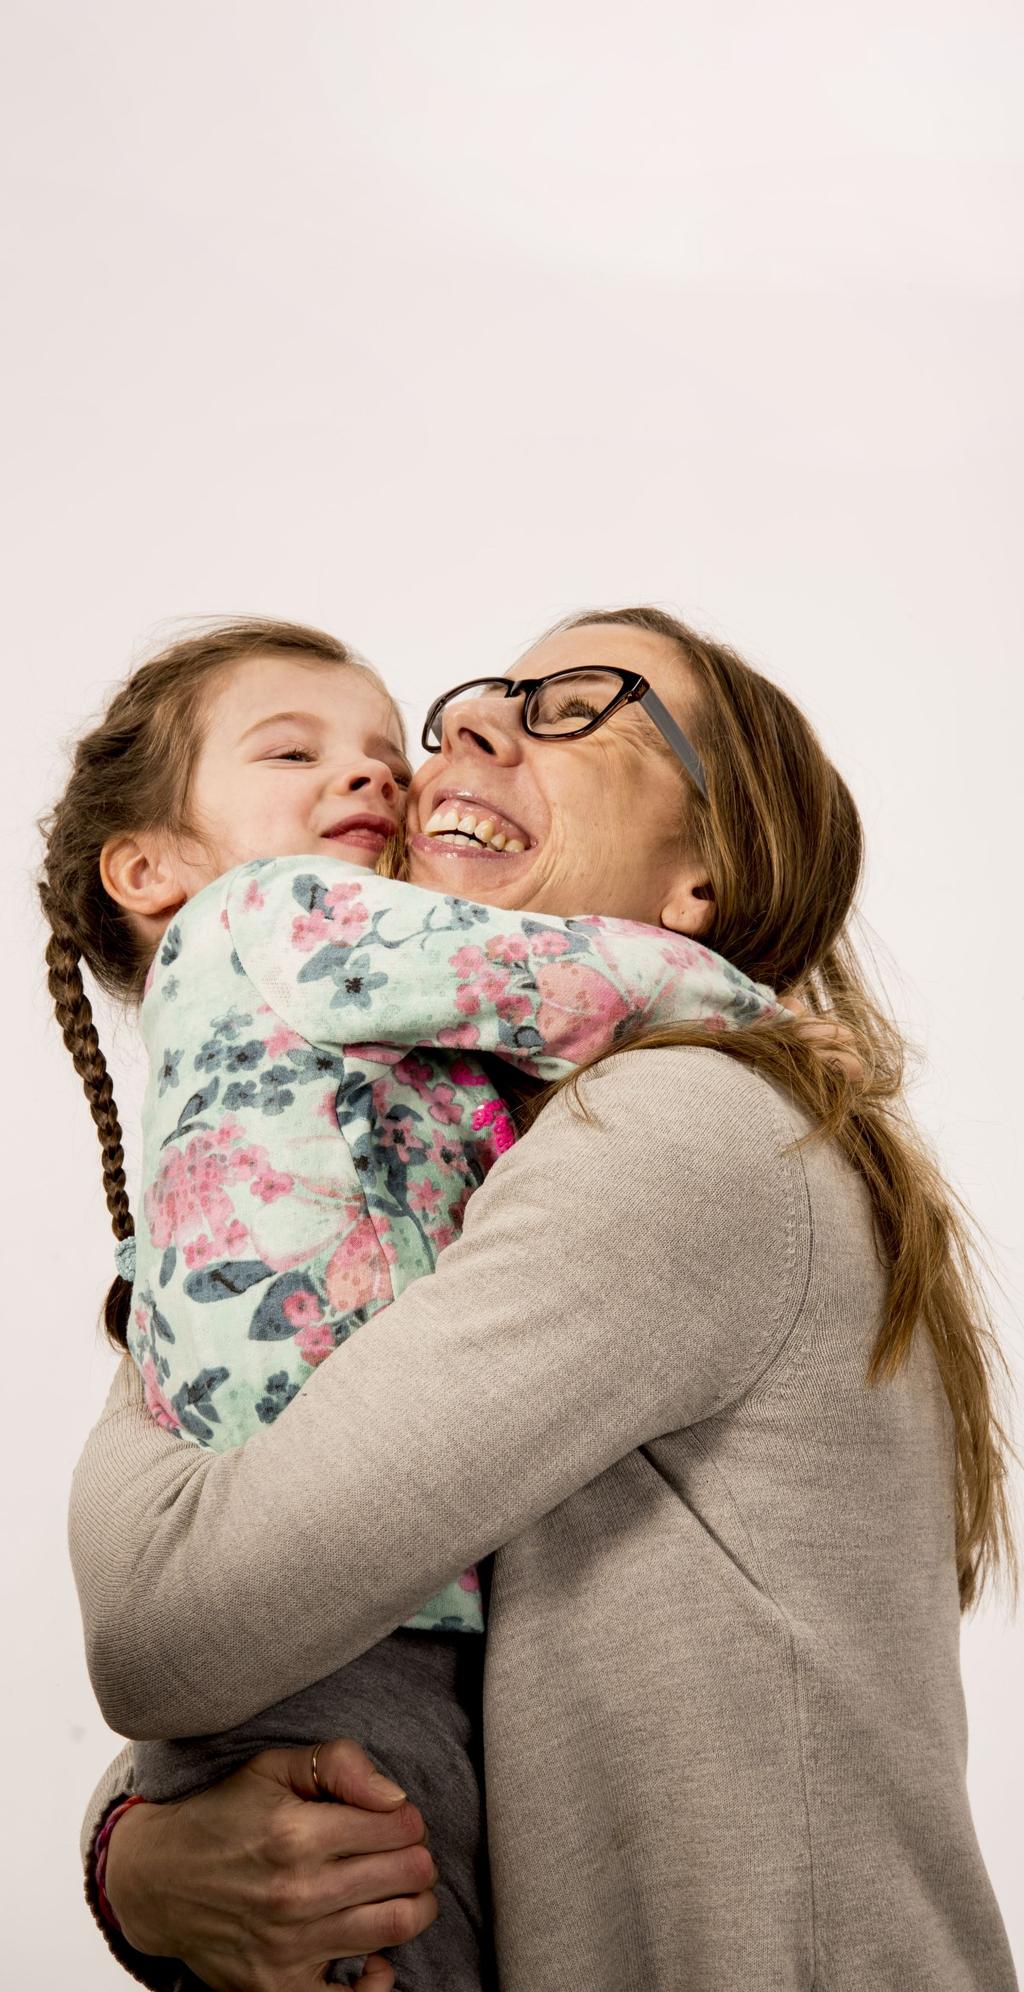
column 162, row 1974
column 621, row 1275
column 344, row 956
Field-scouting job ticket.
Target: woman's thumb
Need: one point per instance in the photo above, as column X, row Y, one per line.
column 341, row 1769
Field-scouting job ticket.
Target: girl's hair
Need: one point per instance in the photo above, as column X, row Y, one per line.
column 782, row 842
column 131, row 773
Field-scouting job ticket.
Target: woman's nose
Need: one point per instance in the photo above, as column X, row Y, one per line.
column 484, row 726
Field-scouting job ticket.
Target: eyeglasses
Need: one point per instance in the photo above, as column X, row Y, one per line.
column 569, row 705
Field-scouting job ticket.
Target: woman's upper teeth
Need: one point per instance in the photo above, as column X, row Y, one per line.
column 486, row 829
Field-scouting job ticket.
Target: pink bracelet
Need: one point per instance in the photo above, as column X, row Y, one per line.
column 99, row 1859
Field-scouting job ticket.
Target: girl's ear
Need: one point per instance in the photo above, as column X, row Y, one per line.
column 143, row 875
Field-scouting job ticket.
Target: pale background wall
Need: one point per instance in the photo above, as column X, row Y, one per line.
column 430, row 322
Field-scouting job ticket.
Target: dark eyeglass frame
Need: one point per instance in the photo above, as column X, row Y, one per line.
column 634, row 689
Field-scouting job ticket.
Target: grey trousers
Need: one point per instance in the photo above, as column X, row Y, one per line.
column 414, row 1703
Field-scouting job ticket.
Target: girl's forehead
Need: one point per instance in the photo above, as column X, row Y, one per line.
column 265, row 685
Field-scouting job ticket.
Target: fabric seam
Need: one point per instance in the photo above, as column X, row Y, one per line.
column 695, row 1438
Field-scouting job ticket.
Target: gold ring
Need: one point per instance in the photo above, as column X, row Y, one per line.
column 320, row 1792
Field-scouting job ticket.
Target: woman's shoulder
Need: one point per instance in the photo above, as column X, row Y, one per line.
column 691, row 1097
column 679, row 1206
column 704, row 1182
column 735, row 1131
column 681, row 1139
column 734, row 1151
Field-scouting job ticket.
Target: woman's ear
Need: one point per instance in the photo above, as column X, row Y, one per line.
column 690, row 907
column 143, row 875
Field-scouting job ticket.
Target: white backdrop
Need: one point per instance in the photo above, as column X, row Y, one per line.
column 430, row 322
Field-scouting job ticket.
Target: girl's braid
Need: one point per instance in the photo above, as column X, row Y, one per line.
column 74, row 1015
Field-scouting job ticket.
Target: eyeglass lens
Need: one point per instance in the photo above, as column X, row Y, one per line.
column 558, row 707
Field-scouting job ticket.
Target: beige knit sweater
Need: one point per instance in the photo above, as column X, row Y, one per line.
column 724, row 1726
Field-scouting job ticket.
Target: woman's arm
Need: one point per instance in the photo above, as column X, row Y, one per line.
column 619, row 1277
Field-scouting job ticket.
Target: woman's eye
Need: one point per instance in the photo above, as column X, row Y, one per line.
column 403, row 777
column 291, row 754
column 575, row 708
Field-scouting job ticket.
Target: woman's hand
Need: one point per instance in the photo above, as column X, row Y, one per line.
column 256, row 1888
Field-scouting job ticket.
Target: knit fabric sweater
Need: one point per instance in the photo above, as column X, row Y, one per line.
column 724, row 1729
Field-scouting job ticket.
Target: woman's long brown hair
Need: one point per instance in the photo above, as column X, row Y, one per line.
column 131, row 773
column 781, row 839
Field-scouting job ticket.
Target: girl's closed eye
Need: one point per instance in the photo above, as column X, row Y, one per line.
column 303, row 755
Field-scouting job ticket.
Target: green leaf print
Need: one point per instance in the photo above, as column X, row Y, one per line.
column 226, row 1279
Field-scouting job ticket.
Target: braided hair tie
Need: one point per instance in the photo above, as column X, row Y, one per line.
column 124, row 1259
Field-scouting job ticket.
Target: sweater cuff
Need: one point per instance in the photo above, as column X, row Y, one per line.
column 161, row 1974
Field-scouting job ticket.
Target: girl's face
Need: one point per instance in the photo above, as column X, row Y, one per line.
column 296, row 759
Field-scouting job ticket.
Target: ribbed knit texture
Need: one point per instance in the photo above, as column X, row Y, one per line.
column 723, row 1721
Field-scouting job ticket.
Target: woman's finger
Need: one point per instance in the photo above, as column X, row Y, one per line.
column 339, row 1886
column 343, row 1771
column 372, row 1927
column 300, row 1835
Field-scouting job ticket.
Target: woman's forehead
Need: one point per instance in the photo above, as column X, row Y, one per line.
column 603, row 646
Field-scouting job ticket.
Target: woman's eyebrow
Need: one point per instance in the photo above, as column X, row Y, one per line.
column 279, row 719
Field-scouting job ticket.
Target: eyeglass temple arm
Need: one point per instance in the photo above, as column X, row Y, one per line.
column 676, row 738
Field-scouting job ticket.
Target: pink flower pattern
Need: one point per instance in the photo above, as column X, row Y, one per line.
column 578, row 1007
column 314, row 1342
column 303, row 1310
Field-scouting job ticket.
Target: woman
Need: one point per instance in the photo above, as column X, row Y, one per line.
column 738, row 1462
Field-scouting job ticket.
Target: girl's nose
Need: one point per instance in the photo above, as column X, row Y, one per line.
column 368, row 777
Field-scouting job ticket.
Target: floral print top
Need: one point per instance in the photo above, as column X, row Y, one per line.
column 316, row 1116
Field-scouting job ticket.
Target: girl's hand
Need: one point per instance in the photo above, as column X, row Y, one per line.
column 256, row 1887
column 831, row 1039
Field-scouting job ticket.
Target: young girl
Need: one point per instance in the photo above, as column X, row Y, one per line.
column 317, row 1113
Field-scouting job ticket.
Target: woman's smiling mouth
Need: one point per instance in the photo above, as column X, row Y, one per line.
column 463, row 823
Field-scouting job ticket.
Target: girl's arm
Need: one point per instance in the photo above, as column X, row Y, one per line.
column 345, row 957
column 619, row 1277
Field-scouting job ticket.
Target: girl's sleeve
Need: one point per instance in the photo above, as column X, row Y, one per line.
column 345, row 957
column 619, row 1277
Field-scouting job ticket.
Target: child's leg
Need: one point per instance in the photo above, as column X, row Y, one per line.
column 413, row 1702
